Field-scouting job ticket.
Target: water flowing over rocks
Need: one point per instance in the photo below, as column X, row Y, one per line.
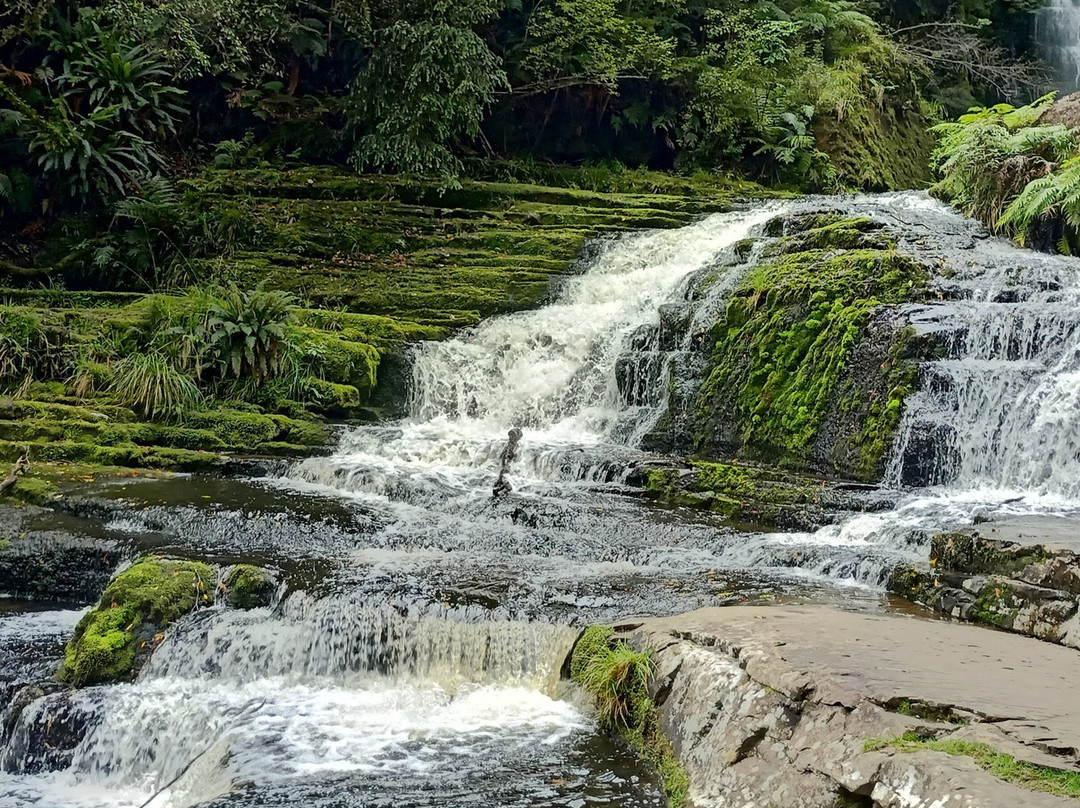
column 857, row 375
column 789, row 706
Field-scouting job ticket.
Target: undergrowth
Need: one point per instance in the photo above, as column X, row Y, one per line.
column 618, row 676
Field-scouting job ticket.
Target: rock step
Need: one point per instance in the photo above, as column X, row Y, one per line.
column 807, row 706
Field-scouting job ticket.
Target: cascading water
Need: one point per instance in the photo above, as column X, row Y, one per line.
column 1057, row 34
column 416, row 663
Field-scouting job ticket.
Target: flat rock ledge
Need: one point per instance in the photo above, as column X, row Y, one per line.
column 775, row 706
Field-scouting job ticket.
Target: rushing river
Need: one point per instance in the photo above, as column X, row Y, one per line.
column 413, row 656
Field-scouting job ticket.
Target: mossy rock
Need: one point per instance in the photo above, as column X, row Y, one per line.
column 236, row 430
column 784, row 345
column 248, row 587
column 112, row 640
column 340, row 360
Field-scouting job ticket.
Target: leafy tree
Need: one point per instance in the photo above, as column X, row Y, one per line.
column 425, row 86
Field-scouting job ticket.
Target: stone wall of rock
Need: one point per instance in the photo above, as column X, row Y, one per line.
column 996, row 575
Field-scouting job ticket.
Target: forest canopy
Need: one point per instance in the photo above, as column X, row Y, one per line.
column 97, row 97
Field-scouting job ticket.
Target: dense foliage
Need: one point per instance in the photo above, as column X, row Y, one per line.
column 1015, row 169
column 98, row 96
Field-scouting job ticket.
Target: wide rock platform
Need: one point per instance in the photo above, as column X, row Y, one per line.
column 789, row 706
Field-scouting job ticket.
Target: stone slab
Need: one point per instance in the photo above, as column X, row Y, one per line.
column 847, row 657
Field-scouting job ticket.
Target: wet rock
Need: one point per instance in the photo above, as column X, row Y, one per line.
column 1021, row 587
column 248, row 587
column 115, row 639
column 45, row 729
column 758, row 495
column 803, row 702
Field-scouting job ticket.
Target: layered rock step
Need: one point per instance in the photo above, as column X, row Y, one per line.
column 1018, row 574
column 808, row 707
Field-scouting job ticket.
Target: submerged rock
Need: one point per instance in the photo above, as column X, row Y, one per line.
column 113, row 640
column 247, row 586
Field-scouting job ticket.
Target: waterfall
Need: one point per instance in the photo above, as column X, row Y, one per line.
column 1057, row 35
column 550, row 372
column 316, row 687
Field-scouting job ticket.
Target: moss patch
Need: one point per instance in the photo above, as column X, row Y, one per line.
column 786, row 338
column 1005, row 767
column 618, row 678
column 137, row 605
column 247, row 586
column 743, row 493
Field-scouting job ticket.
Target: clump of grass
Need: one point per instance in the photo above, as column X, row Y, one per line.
column 618, row 678
column 152, row 383
column 1005, row 767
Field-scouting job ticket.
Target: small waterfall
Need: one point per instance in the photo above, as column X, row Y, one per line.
column 552, row 371
column 1057, row 35
column 336, row 684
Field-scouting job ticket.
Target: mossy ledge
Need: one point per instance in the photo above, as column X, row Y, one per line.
column 618, row 678
column 371, row 264
column 114, row 639
column 809, row 369
column 742, row 493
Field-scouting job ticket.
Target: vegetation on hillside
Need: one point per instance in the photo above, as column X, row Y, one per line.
column 1018, row 174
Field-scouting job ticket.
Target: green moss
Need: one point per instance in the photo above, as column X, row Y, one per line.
column 247, row 586
column 968, row 551
column 928, row 712
column 238, row 430
column 1059, row 782
column 332, row 398
column 912, row 583
column 34, row 490
column 787, row 335
column 877, row 411
column 618, row 678
column 739, row 492
column 337, row 359
column 137, row 604
column 993, row 605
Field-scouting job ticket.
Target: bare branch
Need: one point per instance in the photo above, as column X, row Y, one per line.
column 957, row 48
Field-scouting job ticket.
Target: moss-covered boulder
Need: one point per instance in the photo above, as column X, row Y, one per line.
column 805, row 372
column 247, row 586
column 113, row 640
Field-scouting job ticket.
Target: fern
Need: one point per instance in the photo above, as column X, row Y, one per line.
column 989, row 156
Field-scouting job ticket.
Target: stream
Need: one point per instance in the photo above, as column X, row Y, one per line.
column 412, row 656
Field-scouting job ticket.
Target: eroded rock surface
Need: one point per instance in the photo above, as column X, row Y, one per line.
column 1021, row 575
column 787, row 706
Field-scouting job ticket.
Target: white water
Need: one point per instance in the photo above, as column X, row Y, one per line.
column 316, row 689
column 548, row 371
column 1057, row 35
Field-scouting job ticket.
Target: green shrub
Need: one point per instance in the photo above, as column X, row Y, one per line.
column 247, row 332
